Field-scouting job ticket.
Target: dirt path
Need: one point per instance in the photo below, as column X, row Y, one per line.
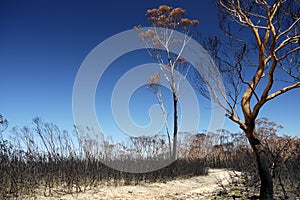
column 200, row 187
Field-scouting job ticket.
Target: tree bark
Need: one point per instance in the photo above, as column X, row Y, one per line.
column 262, row 161
column 175, row 126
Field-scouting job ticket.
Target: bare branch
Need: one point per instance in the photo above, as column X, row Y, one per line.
column 287, row 41
column 288, row 29
column 283, row 90
column 288, row 53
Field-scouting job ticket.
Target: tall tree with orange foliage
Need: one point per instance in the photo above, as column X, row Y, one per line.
column 171, row 19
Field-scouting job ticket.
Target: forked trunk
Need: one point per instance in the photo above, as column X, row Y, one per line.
column 262, row 161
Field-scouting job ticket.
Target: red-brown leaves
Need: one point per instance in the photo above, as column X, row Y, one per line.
column 154, row 80
column 168, row 17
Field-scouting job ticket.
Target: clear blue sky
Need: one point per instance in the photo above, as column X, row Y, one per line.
column 43, row 43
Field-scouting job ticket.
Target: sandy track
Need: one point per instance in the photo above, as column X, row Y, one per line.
column 200, row 187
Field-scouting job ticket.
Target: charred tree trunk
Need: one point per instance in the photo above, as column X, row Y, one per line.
column 175, row 126
column 262, row 162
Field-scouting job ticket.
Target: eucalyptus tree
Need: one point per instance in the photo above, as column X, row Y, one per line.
column 259, row 61
column 169, row 20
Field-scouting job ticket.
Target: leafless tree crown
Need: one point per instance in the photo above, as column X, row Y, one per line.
column 259, row 58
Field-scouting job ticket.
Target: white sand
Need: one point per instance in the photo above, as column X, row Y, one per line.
column 200, row 187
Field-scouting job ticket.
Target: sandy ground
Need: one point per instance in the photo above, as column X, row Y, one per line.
column 200, row 187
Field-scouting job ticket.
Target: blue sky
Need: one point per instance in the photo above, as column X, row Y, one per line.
column 43, row 43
